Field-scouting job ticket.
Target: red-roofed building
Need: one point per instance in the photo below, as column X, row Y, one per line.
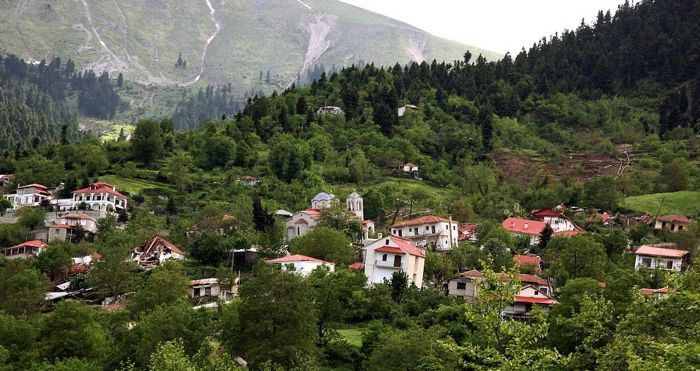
column 301, row 264
column 467, row 232
column 156, row 251
column 357, row 266
column 533, row 261
column 526, row 300
column 661, row 256
column 532, row 228
column 25, row 250
column 428, row 230
column 100, row 196
column 466, row 287
column 673, row 223
column 29, row 195
column 385, row 256
column 408, row 168
column 558, row 221
column 661, row 293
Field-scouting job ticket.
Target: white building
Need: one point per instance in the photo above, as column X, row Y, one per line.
column 333, row 110
column 466, row 286
column 301, row 264
column 210, row 288
column 558, row 221
column 100, row 196
column 385, row 256
column 658, row 257
column 428, row 230
column 526, row 300
column 302, row 222
column 29, row 195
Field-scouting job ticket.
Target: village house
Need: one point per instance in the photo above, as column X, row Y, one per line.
column 86, row 222
column 408, row 168
column 531, row 229
column 82, row 264
column 302, row 222
column 526, row 300
column 155, row 252
column 428, row 231
column 301, row 264
column 6, row 179
column 332, row 110
column 385, row 256
column 661, row 293
column 466, row 285
column 53, row 232
column 248, row 180
column 528, row 261
column 467, row 232
column 29, row 195
column 558, row 221
column 100, row 196
column 661, row 256
column 209, row 289
column 25, row 250
column 673, row 223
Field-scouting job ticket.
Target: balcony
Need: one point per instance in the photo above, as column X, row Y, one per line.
column 387, row 264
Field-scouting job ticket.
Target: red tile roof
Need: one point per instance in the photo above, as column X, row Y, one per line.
column 357, row 266
column 390, row 249
column 78, row 216
column 100, row 190
column 522, row 260
column 151, row 246
column 410, row 164
column 545, row 212
column 34, row 185
column 648, row 292
column 523, row 226
column 406, row 246
column 466, row 229
column 529, row 299
column 659, row 251
column 674, row 218
column 102, row 184
column 33, row 243
column 431, row 219
column 295, row 258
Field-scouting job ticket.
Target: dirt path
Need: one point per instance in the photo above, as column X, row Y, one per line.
column 212, row 15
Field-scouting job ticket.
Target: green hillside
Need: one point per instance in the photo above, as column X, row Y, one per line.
column 143, row 40
column 684, row 202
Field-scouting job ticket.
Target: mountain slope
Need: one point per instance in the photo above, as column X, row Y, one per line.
column 221, row 41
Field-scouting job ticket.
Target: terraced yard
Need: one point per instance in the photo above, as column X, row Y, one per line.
column 131, row 185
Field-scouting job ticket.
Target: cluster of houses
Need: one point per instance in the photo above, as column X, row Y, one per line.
column 100, row 196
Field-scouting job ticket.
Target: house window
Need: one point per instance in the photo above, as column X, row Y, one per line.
column 427, row 228
column 544, row 290
column 415, row 231
column 400, row 232
column 669, row 264
column 461, row 285
column 680, row 227
column 397, row 261
column 384, row 257
column 207, row 291
column 433, row 229
column 646, row 262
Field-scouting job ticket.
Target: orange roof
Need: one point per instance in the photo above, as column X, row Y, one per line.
column 431, row 219
column 523, row 226
column 406, row 246
column 357, row 266
column 33, row 243
column 648, row 292
column 390, row 249
column 533, row 260
column 100, row 190
column 101, row 184
column 533, row 300
column 678, row 218
column 33, row 185
column 296, row 258
column 151, row 245
column 546, row 212
column 78, row 216
column 659, row 251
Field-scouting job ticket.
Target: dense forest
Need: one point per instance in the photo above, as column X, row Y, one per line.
column 38, row 101
column 491, row 139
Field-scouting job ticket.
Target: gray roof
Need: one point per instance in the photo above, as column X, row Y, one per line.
column 323, row 196
column 354, row 195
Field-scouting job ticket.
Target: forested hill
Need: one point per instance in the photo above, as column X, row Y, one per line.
column 40, row 102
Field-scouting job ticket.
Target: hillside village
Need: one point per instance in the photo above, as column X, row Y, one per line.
column 402, row 251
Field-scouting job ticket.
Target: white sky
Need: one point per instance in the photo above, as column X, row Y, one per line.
column 497, row 25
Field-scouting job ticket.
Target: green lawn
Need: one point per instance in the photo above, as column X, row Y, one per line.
column 131, row 185
column 352, row 335
column 684, row 202
column 114, row 131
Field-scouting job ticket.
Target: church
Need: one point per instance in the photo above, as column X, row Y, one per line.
column 304, row 221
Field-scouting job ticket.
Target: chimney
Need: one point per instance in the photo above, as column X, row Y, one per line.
column 512, row 224
column 525, row 225
column 379, row 236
